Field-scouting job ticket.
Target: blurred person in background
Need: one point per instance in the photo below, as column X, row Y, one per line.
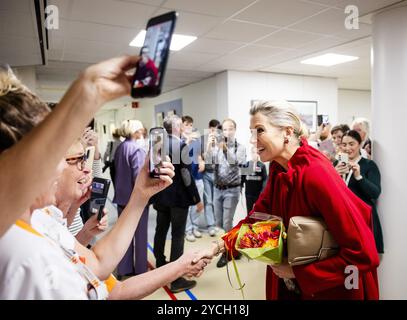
column 337, row 133
column 209, row 140
column 108, row 157
column 193, row 141
column 228, row 155
column 254, row 180
column 362, row 176
column 362, row 126
column 129, row 159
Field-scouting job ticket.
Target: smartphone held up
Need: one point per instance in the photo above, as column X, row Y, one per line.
column 149, row 75
column 322, row 119
column 157, row 147
column 100, row 190
column 343, row 158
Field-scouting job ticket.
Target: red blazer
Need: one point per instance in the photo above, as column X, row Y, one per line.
column 312, row 187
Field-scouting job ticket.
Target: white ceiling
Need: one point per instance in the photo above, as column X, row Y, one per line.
column 18, row 27
column 252, row 35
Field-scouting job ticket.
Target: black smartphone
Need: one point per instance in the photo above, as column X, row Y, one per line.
column 149, row 76
column 323, row 119
column 100, row 189
column 157, row 146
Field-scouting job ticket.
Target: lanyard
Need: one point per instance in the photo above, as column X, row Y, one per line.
column 347, row 179
column 96, row 289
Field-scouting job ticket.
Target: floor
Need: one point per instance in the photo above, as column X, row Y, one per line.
column 214, row 283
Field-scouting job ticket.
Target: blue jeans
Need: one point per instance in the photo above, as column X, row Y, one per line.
column 208, row 198
column 225, row 203
column 193, row 215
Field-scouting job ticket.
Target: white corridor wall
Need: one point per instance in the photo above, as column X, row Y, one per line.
column 247, row 86
column 353, row 104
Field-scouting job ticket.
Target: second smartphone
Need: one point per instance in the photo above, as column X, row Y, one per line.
column 100, row 189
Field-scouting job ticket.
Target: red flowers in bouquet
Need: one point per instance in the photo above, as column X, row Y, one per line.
column 264, row 235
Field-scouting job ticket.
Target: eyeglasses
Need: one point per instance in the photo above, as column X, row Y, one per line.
column 79, row 161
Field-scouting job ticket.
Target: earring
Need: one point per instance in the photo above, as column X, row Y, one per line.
column 286, row 140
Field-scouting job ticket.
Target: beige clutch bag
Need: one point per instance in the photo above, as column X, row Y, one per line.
column 309, row 240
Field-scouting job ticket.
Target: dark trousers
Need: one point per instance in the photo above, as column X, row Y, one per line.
column 250, row 201
column 177, row 217
column 135, row 259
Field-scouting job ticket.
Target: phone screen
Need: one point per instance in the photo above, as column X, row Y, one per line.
column 154, row 54
column 157, row 150
column 97, row 187
column 323, row 119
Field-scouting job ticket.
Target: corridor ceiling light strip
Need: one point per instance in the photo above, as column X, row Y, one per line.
column 329, row 59
column 178, row 41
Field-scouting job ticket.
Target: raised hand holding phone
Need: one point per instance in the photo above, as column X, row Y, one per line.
column 147, row 186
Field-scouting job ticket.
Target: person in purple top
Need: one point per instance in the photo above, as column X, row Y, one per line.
column 129, row 159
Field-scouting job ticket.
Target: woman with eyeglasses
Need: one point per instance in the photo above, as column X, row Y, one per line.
column 45, row 262
column 43, row 148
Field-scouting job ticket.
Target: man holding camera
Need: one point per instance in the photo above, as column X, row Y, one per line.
column 229, row 156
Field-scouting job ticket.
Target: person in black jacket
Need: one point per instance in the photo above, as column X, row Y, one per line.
column 172, row 204
column 362, row 176
column 254, row 178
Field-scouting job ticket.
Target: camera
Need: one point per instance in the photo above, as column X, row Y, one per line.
column 100, row 189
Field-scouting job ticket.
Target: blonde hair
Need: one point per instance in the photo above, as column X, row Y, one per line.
column 129, row 127
column 115, row 133
column 281, row 114
column 20, row 110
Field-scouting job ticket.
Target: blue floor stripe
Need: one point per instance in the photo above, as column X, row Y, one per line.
column 188, row 292
column 150, row 247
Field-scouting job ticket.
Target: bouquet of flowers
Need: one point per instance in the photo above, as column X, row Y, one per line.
column 260, row 238
column 262, row 241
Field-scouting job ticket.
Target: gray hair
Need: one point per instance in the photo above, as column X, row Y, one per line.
column 280, row 114
column 364, row 123
column 170, row 122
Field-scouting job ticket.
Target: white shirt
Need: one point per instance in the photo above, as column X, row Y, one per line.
column 34, row 267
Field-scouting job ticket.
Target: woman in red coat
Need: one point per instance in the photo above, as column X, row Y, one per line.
column 302, row 182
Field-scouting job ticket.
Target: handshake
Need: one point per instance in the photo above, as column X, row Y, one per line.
column 194, row 262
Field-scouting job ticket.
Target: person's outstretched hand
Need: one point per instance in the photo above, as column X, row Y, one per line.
column 193, row 263
column 108, row 80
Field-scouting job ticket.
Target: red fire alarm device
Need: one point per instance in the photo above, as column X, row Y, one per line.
column 134, row 104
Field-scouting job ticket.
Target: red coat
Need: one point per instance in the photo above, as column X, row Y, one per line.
column 312, row 187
